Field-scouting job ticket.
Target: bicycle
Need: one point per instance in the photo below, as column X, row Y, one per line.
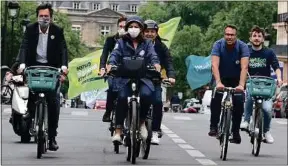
column 225, row 125
column 134, row 69
column 7, row 88
column 42, row 79
column 145, row 145
column 260, row 88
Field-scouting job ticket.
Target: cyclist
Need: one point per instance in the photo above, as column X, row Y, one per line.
column 107, row 49
column 44, row 44
column 233, row 54
column 261, row 60
column 151, row 32
column 133, row 44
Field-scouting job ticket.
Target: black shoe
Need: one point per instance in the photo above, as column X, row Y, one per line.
column 236, row 138
column 53, row 145
column 106, row 116
column 10, row 120
column 213, row 132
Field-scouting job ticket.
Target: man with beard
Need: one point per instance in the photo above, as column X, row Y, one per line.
column 230, row 58
column 261, row 60
column 107, row 49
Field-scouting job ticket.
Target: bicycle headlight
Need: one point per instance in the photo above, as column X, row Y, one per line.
column 133, row 87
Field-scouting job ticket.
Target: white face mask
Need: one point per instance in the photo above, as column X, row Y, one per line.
column 134, row 32
column 121, row 32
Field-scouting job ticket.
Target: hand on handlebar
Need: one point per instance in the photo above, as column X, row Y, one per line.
column 157, row 67
column 171, row 80
column 220, row 86
column 102, row 72
column 239, row 88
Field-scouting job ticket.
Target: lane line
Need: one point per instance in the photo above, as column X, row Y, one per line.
column 173, row 135
column 185, row 146
column 195, row 153
column 206, row 162
column 182, row 118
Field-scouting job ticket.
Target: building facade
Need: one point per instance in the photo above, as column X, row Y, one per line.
column 96, row 19
column 281, row 47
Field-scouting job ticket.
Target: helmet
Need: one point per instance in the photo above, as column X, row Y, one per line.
column 132, row 19
column 151, row 24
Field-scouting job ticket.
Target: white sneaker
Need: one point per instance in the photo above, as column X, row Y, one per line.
column 244, row 125
column 155, row 140
column 143, row 132
column 117, row 138
column 268, row 137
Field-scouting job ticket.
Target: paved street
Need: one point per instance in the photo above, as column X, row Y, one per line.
column 85, row 140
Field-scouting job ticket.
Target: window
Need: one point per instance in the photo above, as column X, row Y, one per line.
column 77, row 28
column 105, row 29
column 114, row 7
column 133, row 8
column 76, row 5
column 96, row 6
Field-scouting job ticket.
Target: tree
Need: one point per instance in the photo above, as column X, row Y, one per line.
column 154, row 11
column 186, row 42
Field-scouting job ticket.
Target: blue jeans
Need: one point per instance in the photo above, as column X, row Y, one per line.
column 157, row 108
column 267, row 111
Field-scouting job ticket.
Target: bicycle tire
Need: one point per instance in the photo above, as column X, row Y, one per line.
column 258, row 137
column 226, row 134
column 147, row 144
column 5, row 100
column 127, row 137
column 134, row 126
column 45, row 146
column 40, row 132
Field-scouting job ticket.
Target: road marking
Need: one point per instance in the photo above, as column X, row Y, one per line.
column 79, row 113
column 182, row 118
column 188, row 148
column 168, row 131
column 206, row 162
column 185, row 146
column 7, row 110
column 195, row 153
column 178, row 140
column 282, row 122
column 173, row 135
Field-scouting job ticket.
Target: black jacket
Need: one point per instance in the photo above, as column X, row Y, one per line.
column 107, row 49
column 164, row 57
column 56, row 47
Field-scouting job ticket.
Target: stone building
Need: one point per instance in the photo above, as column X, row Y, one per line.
column 281, row 47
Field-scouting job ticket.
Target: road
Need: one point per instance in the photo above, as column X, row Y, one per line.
column 84, row 140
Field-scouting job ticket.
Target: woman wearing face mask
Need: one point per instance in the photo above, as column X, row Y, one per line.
column 133, row 44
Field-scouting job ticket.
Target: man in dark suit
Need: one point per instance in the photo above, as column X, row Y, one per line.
column 107, row 49
column 44, row 44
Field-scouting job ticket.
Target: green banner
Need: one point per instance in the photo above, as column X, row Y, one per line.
column 83, row 72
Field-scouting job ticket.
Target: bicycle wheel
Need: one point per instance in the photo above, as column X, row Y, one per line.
column 127, row 140
column 134, row 127
column 45, row 128
column 40, row 132
column 6, row 94
column 258, row 132
column 226, row 134
column 146, row 144
column 220, row 131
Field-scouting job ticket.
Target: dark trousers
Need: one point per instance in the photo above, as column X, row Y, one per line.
column 157, row 108
column 238, row 106
column 122, row 102
column 53, row 103
column 111, row 97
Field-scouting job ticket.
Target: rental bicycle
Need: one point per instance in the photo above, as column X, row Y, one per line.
column 42, row 80
column 260, row 88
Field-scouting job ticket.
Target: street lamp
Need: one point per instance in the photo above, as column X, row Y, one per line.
column 25, row 22
column 13, row 8
column 267, row 38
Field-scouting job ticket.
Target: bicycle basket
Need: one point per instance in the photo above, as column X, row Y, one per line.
column 42, row 80
column 261, row 87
